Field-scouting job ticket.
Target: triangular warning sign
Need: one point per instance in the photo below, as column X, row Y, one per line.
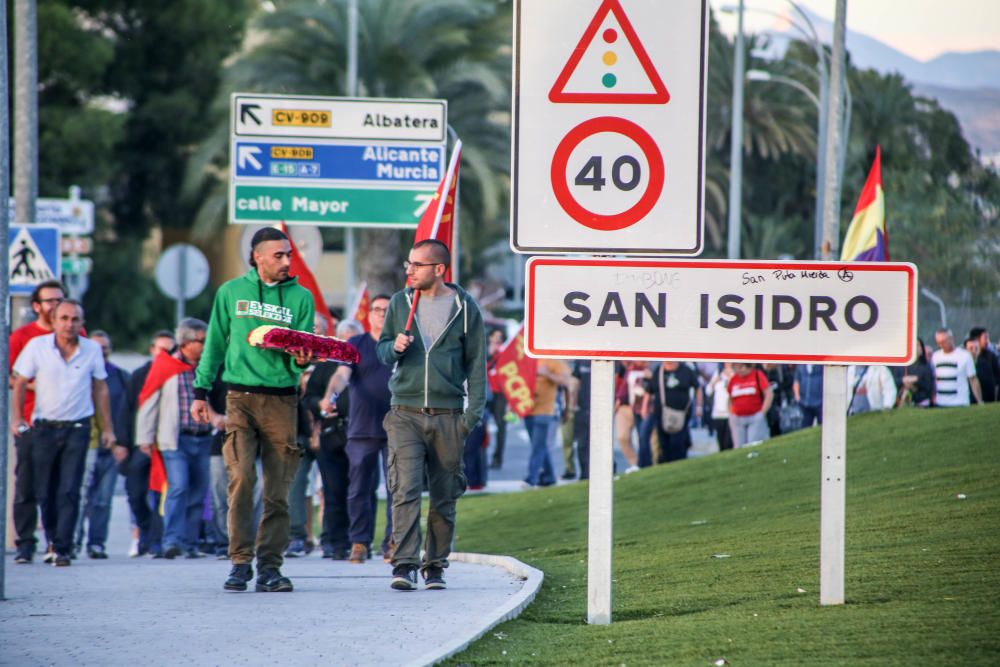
column 27, row 263
column 606, row 69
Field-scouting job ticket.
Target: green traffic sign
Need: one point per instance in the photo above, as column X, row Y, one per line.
column 348, row 207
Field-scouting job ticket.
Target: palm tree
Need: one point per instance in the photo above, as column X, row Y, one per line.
column 778, row 124
column 446, row 49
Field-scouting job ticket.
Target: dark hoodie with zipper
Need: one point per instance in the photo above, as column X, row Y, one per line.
column 436, row 377
column 241, row 305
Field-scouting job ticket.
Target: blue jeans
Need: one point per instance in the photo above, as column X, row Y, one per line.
column 475, row 456
column 363, row 478
column 98, row 489
column 646, row 428
column 540, row 464
column 187, row 479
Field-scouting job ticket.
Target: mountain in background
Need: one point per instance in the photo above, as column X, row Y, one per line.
column 967, row 84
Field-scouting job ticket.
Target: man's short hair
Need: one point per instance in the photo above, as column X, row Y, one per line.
column 162, row 333
column 188, row 330
column 101, row 333
column 36, row 294
column 348, row 328
column 439, row 251
column 265, row 234
column 381, row 295
column 945, row 332
column 72, row 302
column 976, row 332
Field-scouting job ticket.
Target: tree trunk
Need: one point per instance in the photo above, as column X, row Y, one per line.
column 380, row 259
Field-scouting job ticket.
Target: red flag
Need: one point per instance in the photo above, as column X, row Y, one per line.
column 438, row 219
column 307, row 280
column 361, row 307
column 515, row 373
column 165, row 366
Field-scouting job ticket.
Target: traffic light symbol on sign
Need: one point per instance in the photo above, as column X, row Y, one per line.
column 609, row 65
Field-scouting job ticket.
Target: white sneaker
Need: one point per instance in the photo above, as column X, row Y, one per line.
column 632, row 468
column 133, row 550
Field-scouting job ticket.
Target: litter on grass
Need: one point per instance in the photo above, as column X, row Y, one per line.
column 720, row 555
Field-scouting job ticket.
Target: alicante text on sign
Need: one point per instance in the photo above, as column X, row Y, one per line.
column 608, row 127
column 341, row 163
column 804, row 312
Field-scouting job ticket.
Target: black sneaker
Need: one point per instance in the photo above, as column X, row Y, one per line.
column 272, row 581
column 62, row 560
column 238, row 577
column 172, row 552
column 193, row 553
column 96, row 552
column 434, row 578
column 24, row 556
column 404, row 578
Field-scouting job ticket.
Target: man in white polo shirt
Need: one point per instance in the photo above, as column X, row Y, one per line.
column 69, row 377
column 954, row 372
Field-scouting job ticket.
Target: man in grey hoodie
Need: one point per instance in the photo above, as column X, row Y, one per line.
column 435, row 370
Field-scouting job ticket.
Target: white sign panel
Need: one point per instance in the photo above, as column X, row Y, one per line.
column 72, row 216
column 340, row 118
column 609, row 122
column 802, row 312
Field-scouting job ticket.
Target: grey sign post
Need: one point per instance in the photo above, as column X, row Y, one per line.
column 182, row 274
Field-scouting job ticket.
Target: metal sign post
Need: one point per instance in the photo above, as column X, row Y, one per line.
column 833, row 486
column 601, row 501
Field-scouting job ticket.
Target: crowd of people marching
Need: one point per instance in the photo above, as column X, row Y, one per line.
column 177, row 483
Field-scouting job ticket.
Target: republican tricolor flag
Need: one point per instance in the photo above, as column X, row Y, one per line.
column 866, row 239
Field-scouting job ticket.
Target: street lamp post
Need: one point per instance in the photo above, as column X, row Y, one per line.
column 736, row 146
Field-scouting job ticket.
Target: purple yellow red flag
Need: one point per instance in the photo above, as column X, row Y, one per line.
column 866, row 239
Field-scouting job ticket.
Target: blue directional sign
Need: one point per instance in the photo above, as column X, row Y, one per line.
column 375, row 164
column 35, row 255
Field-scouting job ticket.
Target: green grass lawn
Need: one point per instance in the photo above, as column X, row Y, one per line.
column 922, row 566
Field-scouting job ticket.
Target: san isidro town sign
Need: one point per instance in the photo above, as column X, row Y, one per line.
column 608, row 159
column 335, row 161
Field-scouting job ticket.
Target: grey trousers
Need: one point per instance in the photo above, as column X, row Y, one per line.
column 420, row 445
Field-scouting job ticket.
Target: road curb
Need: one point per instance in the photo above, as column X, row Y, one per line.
column 512, row 608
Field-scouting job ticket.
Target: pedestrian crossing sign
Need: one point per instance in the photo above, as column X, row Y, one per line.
column 35, row 255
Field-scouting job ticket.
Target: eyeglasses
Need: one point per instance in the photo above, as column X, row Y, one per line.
column 380, row 311
column 407, row 265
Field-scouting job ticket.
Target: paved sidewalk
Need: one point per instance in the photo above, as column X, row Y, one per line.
column 125, row 611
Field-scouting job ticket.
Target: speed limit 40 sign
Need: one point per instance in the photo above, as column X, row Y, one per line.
column 608, row 151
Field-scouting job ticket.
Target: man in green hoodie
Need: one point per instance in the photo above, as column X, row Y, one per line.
column 260, row 403
column 427, row 424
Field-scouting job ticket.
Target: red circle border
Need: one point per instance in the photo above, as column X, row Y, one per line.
column 560, row 161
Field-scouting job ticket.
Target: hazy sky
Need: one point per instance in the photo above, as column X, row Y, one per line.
column 922, row 29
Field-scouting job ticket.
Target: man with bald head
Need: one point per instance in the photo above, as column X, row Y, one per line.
column 69, row 375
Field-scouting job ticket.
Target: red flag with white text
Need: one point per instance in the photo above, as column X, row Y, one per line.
column 515, row 373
